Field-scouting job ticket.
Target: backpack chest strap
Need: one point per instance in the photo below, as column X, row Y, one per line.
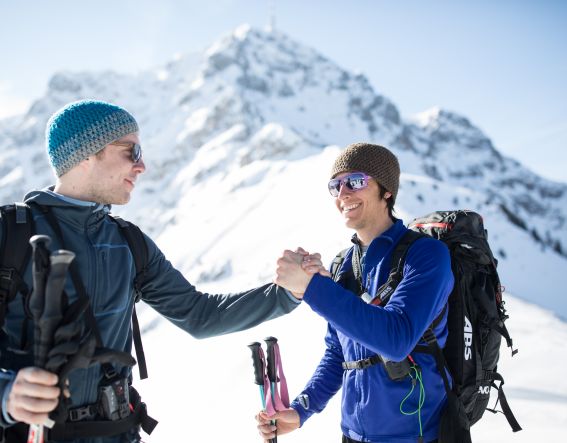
column 362, row 364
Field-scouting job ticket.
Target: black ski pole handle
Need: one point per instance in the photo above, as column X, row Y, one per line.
column 44, row 240
column 271, row 358
column 40, row 269
column 52, row 311
column 258, row 363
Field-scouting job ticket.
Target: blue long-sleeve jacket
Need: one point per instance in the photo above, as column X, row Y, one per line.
column 357, row 330
column 107, row 270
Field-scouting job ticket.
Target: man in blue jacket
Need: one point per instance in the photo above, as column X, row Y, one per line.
column 375, row 408
column 95, row 151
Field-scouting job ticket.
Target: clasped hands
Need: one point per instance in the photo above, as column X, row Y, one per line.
column 295, row 270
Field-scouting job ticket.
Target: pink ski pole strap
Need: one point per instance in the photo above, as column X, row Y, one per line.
column 277, row 397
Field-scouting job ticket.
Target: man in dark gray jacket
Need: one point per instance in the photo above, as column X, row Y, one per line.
column 94, row 149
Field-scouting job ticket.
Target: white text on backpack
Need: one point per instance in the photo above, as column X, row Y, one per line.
column 468, row 339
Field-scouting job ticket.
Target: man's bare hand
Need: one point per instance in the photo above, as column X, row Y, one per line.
column 33, row 396
column 312, row 263
column 295, row 270
column 287, row 421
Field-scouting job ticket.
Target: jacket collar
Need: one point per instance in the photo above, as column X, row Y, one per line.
column 79, row 213
column 382, row 244
column 392, row 234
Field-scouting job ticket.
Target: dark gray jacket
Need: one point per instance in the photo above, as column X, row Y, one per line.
column 107, row 270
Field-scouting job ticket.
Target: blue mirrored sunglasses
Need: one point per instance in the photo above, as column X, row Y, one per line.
column 136, row 149
column 354, row 181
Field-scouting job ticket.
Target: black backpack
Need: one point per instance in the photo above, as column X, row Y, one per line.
column 475, row 320
column 15, row 252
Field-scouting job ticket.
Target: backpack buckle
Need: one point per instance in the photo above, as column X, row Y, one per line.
column 7, row 284
column 137, row 291
column 6, row 273
column 429, row 337
column 138, row 280
column 79, row 414
column 10, row 284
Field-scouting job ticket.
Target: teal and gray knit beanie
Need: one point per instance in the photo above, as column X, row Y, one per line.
column 81, row 129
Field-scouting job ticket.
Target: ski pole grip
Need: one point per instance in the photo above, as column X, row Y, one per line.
column 44, row 240
column 52, row 312
column 40, row 268
column 271, row 358
column 59, row 264
column 257, row 362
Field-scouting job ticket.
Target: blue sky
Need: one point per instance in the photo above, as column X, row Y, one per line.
column 502, row 64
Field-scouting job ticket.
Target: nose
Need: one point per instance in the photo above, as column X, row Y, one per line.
column 140, row 166
column 343, row 191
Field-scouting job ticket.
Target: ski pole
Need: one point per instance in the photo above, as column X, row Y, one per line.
column 40, row 270
column 271, row 342
column 257, row 361
column 52, row 312
column 260, row 378
column 49, row 316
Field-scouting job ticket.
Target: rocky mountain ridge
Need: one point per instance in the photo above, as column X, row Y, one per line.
column 259, row 96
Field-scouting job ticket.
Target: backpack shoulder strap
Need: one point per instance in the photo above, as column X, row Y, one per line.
column 73, row 269
column 397, row 267
column 139, row 249
column 15, row 252
column 337, row 263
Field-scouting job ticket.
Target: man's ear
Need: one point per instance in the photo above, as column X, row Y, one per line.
column 86, row 164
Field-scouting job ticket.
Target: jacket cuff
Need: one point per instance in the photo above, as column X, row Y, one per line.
column 292, row 297
column 6, row 381
column 315, row 285
column 301, row 409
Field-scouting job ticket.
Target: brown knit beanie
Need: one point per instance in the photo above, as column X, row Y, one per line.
column 375, row 160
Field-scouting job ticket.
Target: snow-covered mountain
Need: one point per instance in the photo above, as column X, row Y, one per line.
column 238, row 143
column 232, row 118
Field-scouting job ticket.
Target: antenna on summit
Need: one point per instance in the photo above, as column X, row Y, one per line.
column 272, row 23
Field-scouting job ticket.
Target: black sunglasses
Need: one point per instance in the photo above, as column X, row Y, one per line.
column 136, row 149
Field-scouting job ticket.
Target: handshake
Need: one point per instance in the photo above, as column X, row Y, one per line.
column 295, row 269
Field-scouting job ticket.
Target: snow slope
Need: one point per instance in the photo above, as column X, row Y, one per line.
column 209, row 383
column 204, row 391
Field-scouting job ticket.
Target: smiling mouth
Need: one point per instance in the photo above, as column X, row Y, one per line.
column 348, row 208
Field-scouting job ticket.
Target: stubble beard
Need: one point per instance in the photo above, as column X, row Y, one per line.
column 109, row 196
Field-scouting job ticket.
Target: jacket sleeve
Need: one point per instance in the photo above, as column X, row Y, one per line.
column 6, row 381
column 325, row 382
column 395, row 329
column 205, row 315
